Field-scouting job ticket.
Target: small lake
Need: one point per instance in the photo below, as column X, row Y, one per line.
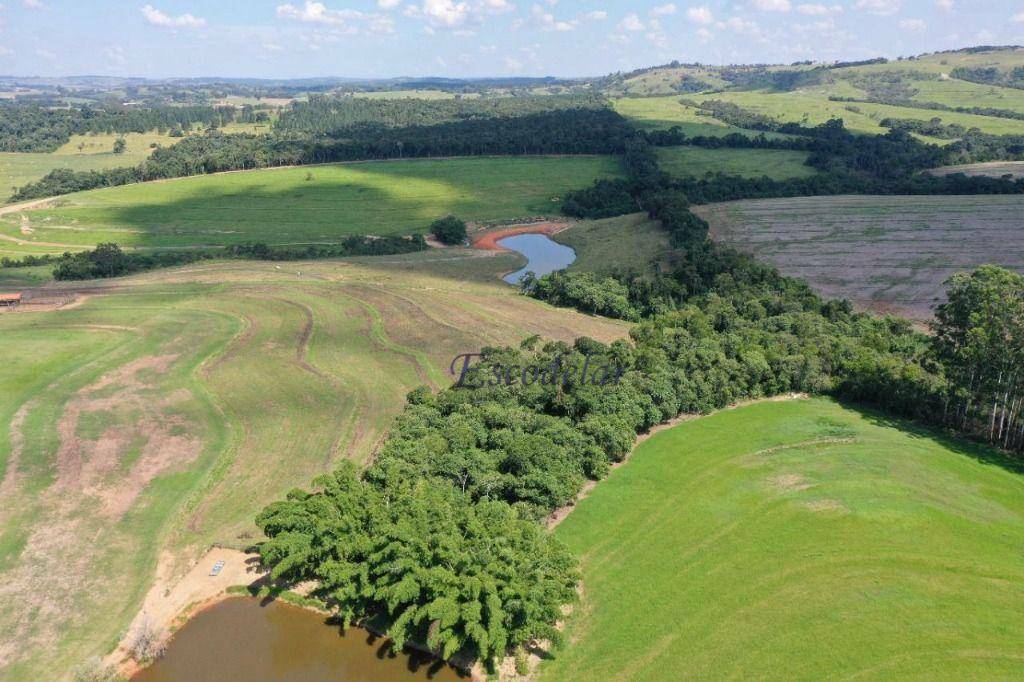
column 543, row 254
column 242, row 639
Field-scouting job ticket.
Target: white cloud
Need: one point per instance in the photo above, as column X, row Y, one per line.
column 913, row 25
column 115, row 55
column 158, row 18
column 513, row 64
column 664, row 10
column 700, row 15
column 273, row 47
column 388, row 4
column 704, row 34
column 316, row 13
column 772, row 5
column 1019, row 17
column 32, row 4
column 944, row 4
column 817, row 9
column 5, row 51
column 631, row 22
column 445, row 12
column 547, row 21
column 879, row 7
column 342, row 20
column 596, row 15
column 740, row 25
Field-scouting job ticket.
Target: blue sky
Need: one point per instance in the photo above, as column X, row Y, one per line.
column 458, row 38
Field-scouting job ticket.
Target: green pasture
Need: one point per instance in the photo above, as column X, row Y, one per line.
column 799, row 540
column 812, row 107
column 662, row 113
column 302, row 205
column 778, row 164
column 630, row 243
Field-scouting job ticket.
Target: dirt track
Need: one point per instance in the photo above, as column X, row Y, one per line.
column 489, row 240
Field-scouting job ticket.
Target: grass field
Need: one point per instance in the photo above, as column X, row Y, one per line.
column 882, row 253
column 778, row 164
column 798, row 540
column 630, row 243
column 313, row 204
column 813, row 107
column 161, row 412
column 92, row 152
column 81, row 153
column 661, row 113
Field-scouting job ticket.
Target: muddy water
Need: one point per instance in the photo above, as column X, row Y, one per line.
column 240, row 639
column 543, row 254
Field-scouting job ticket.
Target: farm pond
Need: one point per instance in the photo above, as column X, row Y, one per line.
column 245, row 638
column 543, row 255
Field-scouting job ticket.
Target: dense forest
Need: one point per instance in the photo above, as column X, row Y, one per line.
column 331, row 116
column 41, row 129
column 584, row 130
column 332, row 129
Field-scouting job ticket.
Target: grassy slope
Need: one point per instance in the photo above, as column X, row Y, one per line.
column 661, row 113
column 778, row 164
column 813, row 107
column 746, row 545
column 272, row 377
column 17, row 168
column 630, row 242
column 305, row 205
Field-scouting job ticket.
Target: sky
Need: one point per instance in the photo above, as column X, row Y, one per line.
column 474, row 38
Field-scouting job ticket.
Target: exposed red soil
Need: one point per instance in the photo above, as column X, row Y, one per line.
column 489, row 240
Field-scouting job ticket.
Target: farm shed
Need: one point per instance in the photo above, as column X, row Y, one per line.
column 10, row 300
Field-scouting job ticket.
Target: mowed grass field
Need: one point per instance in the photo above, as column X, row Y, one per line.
column 302, row 205
column 159, row 413
column 889, row 254
column 778, row 164
column 798, row 540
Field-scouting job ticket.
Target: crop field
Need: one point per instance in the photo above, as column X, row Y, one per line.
column 161, row 412
column 798, row 540
column 310, row 204
column 778, row 164
column 889, row 254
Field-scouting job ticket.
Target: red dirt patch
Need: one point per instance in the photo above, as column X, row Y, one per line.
column 489, row 240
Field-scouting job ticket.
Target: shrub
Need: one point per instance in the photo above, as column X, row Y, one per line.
column 449, row 230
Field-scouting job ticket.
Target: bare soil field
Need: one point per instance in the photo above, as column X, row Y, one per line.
column 888, row 254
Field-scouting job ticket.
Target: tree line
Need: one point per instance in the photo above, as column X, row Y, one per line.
column 560, row 131
column 109, row 260
column 27, row 128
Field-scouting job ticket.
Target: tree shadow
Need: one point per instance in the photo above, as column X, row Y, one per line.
column 954, row 442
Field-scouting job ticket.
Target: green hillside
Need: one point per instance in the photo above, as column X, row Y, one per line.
column 799, row 540
column 303, row 205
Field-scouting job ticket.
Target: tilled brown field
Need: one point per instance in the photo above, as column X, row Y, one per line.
column 888, row 254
